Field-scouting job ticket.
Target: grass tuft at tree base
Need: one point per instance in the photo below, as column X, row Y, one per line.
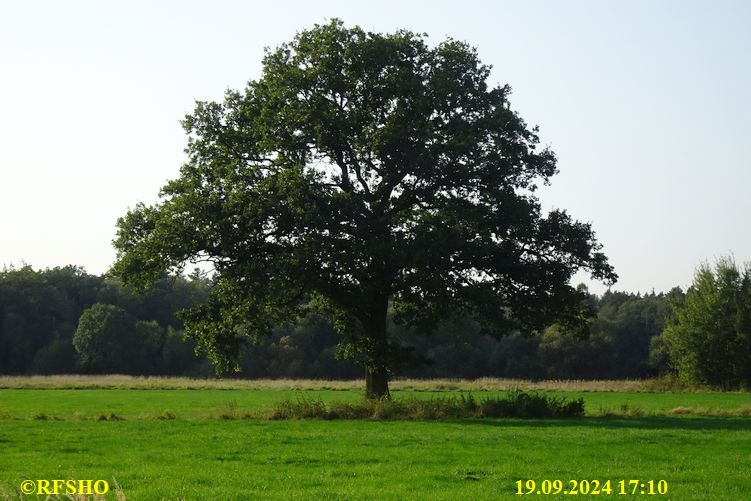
column 517, row 404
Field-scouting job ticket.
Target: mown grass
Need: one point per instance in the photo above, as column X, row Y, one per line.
column 701, row 458
column 82, row 405
column 220, row 444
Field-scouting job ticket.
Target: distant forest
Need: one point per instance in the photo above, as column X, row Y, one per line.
column 124, row 332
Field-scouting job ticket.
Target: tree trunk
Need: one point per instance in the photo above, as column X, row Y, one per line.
column 377, row 355
column 376, row 382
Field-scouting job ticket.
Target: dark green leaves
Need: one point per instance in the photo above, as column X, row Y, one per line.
column 363, row 169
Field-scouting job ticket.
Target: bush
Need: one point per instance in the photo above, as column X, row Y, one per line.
column 525, row 405
column 517, row 404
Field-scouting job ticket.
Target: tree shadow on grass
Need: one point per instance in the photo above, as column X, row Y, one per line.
column 644, row 423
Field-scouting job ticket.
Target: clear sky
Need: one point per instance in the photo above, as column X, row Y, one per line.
column 646, row 103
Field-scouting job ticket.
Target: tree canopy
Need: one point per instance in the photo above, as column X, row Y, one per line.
column 708, row 341
column 363, row 172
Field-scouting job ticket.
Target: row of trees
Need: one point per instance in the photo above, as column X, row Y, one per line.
column 616, row 346
column 119, row 330
column 64, row 320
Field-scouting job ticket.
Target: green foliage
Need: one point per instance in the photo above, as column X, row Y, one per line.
column 566, row 355
column 40, row 311
column 634, row 323
column 709, row 340
column 525, row 405
column 614, row 345
column 363, row 170
column 517, row 404
column 57, row 357
column 106, row 339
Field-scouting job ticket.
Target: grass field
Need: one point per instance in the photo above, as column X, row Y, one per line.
column 196, row 454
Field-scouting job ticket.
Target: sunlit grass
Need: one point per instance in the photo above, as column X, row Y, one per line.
column 166, row 405
column 701, row 458
column 219, row 443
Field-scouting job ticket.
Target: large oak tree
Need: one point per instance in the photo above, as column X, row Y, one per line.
column 363, row 172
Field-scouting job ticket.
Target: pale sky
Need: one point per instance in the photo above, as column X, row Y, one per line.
column 646, row 103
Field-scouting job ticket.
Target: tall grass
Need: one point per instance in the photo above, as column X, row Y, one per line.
column 116, row 381
column 516, row 404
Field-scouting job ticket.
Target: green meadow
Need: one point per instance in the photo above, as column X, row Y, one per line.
column 217, row 444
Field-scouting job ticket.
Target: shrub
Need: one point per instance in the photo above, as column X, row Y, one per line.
column 531, row 405
column 517, row 404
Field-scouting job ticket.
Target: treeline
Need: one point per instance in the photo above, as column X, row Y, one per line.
column 40, row 313
column 64, row 320
column 616, row 345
